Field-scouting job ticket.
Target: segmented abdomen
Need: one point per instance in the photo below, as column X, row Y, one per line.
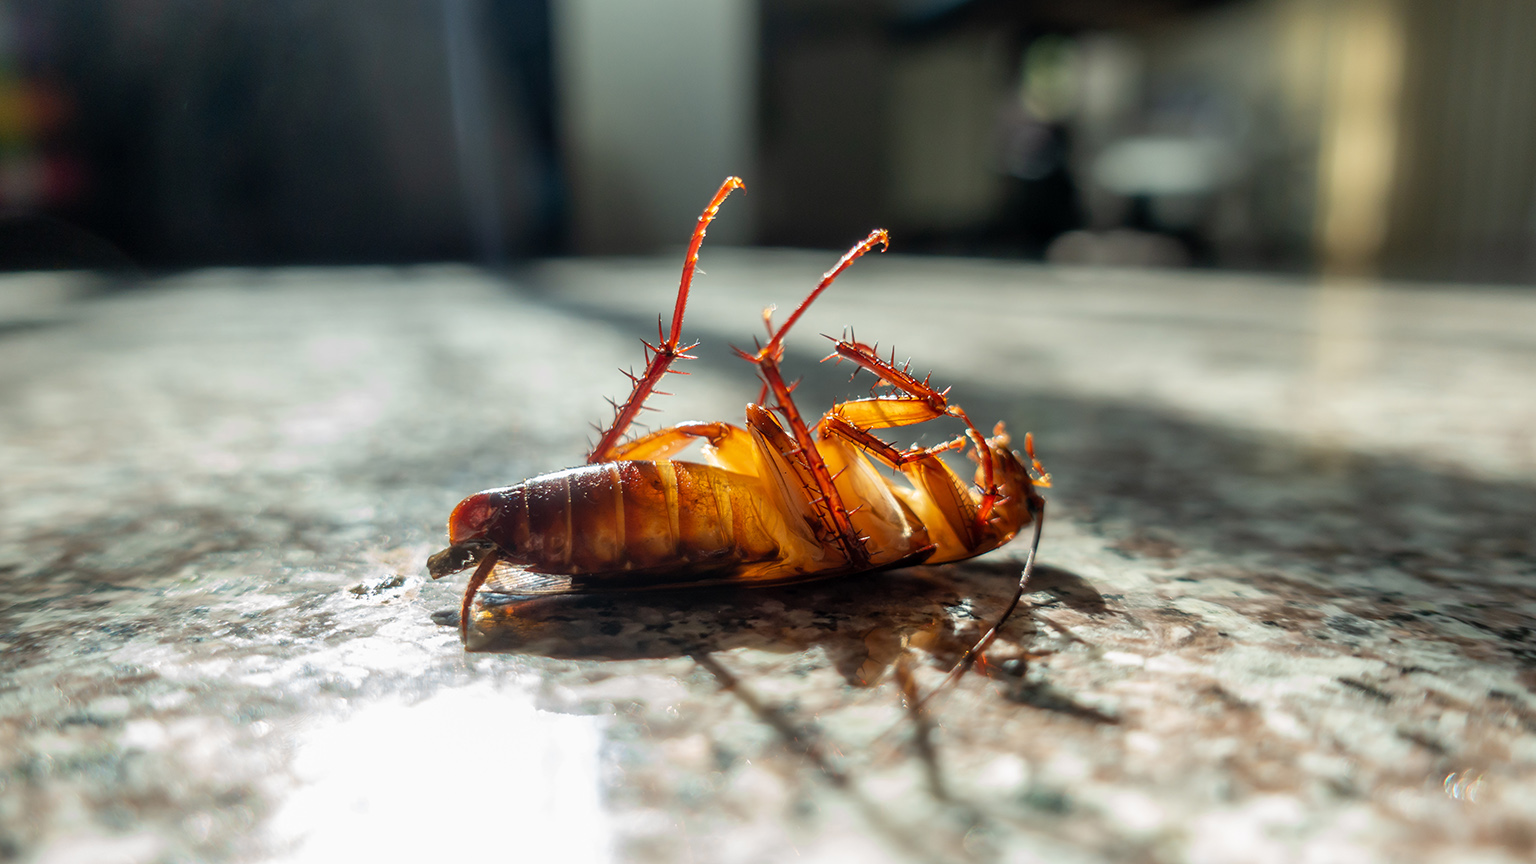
column 619, row 517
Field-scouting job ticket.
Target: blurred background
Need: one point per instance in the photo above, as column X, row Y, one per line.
column 1359, row 137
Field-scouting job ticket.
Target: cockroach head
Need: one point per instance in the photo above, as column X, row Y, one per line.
column 467, row 529
column 458, row 557
column 472, row 519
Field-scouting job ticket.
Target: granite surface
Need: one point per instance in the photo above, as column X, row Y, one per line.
column 1287, row 608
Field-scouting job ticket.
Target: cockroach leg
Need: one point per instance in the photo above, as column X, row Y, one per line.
column 483, row 572
column 1041, row 478
column 900, row 378
column 668, row 349
column 767, row 361
column 826, row 496
column 664, row 443
column 972, row 654
column 832, row 424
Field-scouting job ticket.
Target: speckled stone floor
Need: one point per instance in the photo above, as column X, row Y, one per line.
column 1287, row 607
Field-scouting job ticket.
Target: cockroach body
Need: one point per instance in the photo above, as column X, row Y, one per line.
column 773, row 502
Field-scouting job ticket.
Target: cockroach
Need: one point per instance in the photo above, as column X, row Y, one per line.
column 776, row 502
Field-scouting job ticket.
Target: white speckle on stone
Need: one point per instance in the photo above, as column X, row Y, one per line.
column 1169, row 663
column 1143, row 743
column 129, row 849
column 169, row 699
column 1066, row 769
column 206, row 670
column 1223, row 618
column 143, row 734
column 1134, row 811
column 1246, row 833
column 1002, row 775
column 1124, row 658
column 1287, row 724
column 110, row 708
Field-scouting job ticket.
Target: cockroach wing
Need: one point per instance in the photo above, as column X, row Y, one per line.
column 516, row 580
column 509, row 578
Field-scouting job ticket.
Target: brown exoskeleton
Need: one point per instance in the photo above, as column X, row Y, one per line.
column 778, row 501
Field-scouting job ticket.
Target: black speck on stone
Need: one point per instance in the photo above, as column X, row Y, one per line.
column 610, row 628
column 1047, row 800
column 1361, row 687
column 1348, row 624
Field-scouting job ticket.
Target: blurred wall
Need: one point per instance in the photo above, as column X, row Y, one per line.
column 1371, row 136
column 1359, row 137
column 658, row 108
column 1464, row 194
column 305, row 130
column 824, row 122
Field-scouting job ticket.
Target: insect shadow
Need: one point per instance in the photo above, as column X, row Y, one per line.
column 860, row 622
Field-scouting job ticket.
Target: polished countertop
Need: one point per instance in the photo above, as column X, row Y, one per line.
column 1286, row 609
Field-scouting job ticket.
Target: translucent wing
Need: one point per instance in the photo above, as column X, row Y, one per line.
column 509, row 578
column 513, row 580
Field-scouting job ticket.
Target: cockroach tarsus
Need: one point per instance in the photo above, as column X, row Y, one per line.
column 776, row 502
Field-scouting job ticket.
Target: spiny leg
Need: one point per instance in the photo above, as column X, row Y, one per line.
column 780, row 455
column 851, row 420
column 833, row 424
column 767, row 360
column 936, row 401
column 668, row 348
column 662, row 355
column 942, row 501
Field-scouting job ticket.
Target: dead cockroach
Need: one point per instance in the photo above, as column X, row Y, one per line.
column 773, row 503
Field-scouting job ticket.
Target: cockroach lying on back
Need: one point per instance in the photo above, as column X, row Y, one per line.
column 776, row 502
